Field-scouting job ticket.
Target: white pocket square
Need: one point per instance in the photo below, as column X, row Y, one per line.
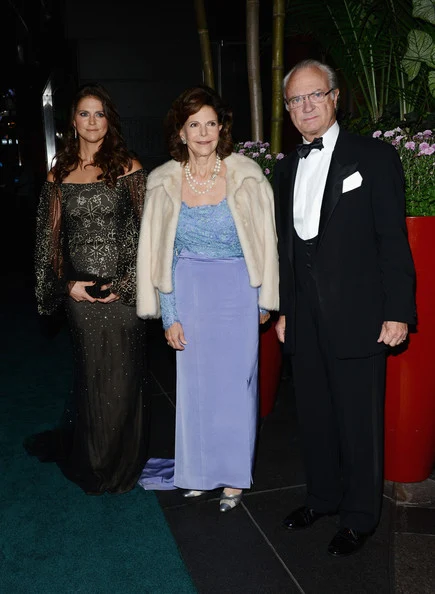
column 352, row 182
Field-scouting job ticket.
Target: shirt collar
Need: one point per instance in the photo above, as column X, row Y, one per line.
column 329, row 138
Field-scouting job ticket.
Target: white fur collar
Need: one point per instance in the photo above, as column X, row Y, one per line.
column 239, row 167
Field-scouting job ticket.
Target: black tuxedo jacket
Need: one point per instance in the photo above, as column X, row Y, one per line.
column 363, row 266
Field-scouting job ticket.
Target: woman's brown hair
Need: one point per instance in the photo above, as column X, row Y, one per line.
column 189, row 103
column 112, row 157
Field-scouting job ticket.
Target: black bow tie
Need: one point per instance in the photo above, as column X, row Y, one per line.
column 303, row 150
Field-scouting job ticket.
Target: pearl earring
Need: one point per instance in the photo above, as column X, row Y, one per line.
column 183, row 140
column 75, row 133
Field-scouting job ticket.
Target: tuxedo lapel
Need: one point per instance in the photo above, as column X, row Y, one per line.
column 340, row 168
column 290, row 183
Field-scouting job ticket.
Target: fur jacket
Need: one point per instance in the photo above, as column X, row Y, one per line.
column 250, row 200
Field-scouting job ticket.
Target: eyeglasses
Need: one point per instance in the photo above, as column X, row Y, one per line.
column 316, row 97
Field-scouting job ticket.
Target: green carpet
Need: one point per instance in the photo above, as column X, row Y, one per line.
column 53, row 537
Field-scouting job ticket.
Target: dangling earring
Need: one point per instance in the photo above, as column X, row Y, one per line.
column 183, row 140
column 75, row 133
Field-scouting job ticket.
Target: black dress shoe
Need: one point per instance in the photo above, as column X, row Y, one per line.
column 346, row 542
column 302, row 517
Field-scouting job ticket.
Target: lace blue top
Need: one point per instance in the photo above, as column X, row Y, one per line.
column 207, row 230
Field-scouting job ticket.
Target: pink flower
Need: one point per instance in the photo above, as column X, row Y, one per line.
column 266, row 171
column 267, row 156
column 242, row 151
column 410, row 145
column 279, row 156
column 255, row 155
column 427, row 133
column 248, row 144
column 430, row 150
column 377, row 134
column 396, row 141
column 423, row 146
column 262, row 150
column 389, row 134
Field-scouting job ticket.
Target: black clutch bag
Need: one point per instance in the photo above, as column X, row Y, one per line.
column 96, row 292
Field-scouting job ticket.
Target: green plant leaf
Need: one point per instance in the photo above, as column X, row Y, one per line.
column 420, row 48
column 425, row 10
column 411, row 67
column 431, row 83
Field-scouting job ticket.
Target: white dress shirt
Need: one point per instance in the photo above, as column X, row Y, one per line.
column 310, row 185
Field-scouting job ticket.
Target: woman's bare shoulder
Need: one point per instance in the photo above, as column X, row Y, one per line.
column 135, row 166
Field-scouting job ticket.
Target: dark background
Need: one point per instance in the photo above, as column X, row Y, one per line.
column 145, row 53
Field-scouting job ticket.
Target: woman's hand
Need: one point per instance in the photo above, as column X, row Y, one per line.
column 77, row 291
column 264, row 317
column 175, row 336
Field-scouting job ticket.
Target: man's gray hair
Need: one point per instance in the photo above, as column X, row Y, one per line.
column 310, row 63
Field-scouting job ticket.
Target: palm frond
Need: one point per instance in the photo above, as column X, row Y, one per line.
column 366, row 40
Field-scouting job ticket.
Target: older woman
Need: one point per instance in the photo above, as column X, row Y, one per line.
column 207, row 260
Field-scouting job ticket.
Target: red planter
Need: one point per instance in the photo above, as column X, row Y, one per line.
column 269, row 366
column 410, row 389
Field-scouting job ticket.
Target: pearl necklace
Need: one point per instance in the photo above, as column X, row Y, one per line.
column 208, row 184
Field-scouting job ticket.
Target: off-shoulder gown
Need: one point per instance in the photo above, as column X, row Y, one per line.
column 101, row 443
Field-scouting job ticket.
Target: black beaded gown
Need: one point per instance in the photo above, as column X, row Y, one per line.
column 85, row 232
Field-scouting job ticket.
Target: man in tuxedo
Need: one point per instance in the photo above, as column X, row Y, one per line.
column 346, row 297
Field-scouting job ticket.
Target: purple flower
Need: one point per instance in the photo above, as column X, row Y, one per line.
column 242, row 151
column 262, row 150
column 267, row 156
column 423, row 146
column 266, row 171
column 410, row 145
column 389, row 133
column 279, row 156
column 430, row 150
column 396, row 141
column 427, row 133
column 255, row 155
column 377, row 134
column 248, row 144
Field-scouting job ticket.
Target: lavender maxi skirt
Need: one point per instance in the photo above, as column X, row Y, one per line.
column 217, row 373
